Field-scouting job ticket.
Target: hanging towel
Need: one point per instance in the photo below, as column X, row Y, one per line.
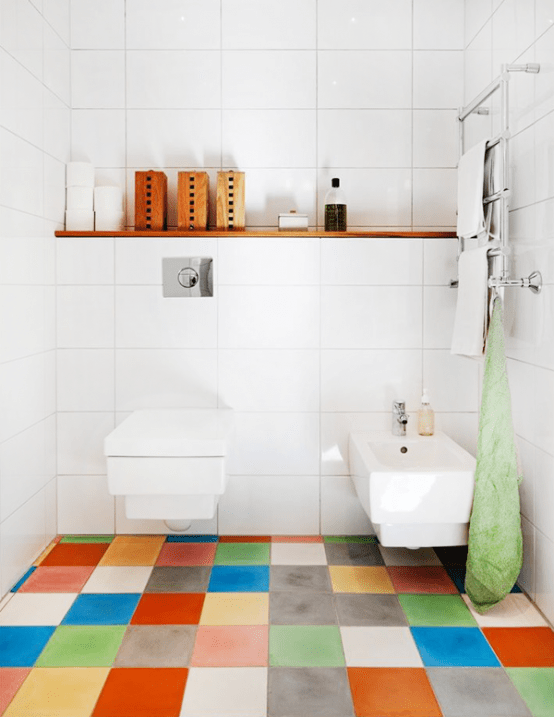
column 470, row 322
column 471, row 174
column 495, row 543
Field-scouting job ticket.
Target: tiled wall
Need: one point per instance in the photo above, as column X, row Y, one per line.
column 292, row 92
column 34, row 145
column 521, row 31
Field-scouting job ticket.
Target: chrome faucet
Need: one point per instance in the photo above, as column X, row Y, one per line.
column 399, row 418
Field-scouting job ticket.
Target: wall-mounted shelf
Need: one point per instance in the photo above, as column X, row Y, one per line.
column 264, row 233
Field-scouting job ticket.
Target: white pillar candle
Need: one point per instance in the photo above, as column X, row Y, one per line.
column 79, row 220
column 109, row 221
column 79, row 198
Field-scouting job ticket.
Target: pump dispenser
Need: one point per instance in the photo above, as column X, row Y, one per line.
column 425, row 417
column 335, row 208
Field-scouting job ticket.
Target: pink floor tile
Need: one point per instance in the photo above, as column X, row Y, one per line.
column 231, row 646
column 187, row 554
column 57, row 579
column 11, row 679
column 297, row 539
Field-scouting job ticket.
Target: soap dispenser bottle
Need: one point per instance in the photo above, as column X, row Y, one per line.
column 425, row 417
column 335, row 208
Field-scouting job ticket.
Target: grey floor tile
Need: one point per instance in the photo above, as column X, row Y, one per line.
column 312, row 578
column 369, row 610
column 309, row 692
column 193, row 579
column 476, row 692
column 353, row 554
column 156, row 646
column 295, row 608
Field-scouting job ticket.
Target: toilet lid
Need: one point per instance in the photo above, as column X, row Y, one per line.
column 172, row 432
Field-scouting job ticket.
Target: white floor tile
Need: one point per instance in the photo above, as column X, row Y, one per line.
column 516, row 610
column 380, row 647
column 298, row 554
column 226, row 691
column 128, row 579
column 37, row 608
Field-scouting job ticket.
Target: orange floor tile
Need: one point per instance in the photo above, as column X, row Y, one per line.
column 522, row 646
column 392, row 692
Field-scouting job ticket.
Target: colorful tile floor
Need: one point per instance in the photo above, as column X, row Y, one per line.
column 201, row 626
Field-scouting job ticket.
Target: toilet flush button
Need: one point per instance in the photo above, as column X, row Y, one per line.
column 188, row 277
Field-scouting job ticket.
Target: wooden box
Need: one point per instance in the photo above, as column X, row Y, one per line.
column 151, row 200
column 230, row 200
column 192, row 200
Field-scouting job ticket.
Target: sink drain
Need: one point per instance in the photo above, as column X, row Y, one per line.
column 403, row 449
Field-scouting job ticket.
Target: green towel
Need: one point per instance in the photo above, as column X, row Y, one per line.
column 495, row 545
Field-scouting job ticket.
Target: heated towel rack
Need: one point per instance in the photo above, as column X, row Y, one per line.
column 499, row 275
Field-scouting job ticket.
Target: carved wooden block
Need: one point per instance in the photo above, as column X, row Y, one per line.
column 230, row 200
column 192, row 200
column 151, row 200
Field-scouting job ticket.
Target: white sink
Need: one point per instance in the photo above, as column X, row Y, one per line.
column 417, row 490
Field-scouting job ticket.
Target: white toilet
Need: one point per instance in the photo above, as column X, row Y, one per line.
column 170, row 464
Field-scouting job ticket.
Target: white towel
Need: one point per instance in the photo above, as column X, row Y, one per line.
column 470, row 323
column 471, row 172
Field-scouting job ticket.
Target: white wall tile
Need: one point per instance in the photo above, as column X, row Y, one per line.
column 371, row 261
column 170, row 378
column 477, row 12
column 173, row 138
column 371, row 317
column 528, row 468
column 513, row 30
column 256, row 79
column 461, row 427
column 175, row 25
column 439, row 261
column 267, row 260
column 544, row 144
column 341, row 510
column 544, row 557
column 85, row 380
column 343, row 79
column 435, row 138
column 54, row 189
column 527, row 576
column 438, row 24
column 21, row 179
column 438, row 79
column 375, row 197
column 21, row 111
column 99, row 25
column 276, row 505
column 364, row 138
column 365, row 25
column 434, row 197
column 98, row 137
column 364, row 380
column 97, row 79
column 147, row 319
column 335, row 432
column 27, row 464
column 21, row 34
column 450, row 380
column 56, row 65
column 245, row 138
column 264, row 25
column 542, row 83
column 173, row 79
column 81, row 442
column 85, row 317
column 85, row 506
column 56, row 127
column 439, row 309
column 269, row 380
column 26, row 321
column 268, row 317
column 85, row 260
column 275, row 444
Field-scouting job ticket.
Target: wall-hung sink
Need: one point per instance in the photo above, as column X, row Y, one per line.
column 417, row 490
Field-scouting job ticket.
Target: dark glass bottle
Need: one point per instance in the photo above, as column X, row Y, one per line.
column 335, row 208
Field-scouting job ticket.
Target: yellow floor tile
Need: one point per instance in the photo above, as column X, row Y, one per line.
column 58, row 692
column 360, row 579
column 235, row 609
column 133, row 550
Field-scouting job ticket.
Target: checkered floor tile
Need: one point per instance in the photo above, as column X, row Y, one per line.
column 285, row 626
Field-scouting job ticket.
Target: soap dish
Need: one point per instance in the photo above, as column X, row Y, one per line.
column 292, row 220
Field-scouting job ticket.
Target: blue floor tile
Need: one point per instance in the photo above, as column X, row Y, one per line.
column 102, row 609
column 239, row 579
column 454, row 647
column 21, row 646
column 192, row 539
column 20, row 583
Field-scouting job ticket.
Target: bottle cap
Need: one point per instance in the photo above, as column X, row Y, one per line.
column 425, row 397
column 335, row 182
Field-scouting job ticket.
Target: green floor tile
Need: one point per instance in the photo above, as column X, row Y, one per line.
column 305, row 646
column 536, row 686
column 350, row 538
column 87, row 539
column 82, row 646
column 436, row 611
column 242, row 554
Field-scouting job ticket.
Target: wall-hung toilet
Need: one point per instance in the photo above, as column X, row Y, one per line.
column 416, row 490
column 170, row 464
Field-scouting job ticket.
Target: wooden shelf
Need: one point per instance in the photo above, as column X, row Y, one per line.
column 263, row 233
